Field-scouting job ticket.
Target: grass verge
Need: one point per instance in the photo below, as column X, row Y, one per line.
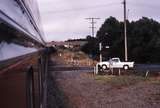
column 119, row 81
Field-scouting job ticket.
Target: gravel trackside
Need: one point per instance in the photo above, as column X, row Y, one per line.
column 78, row 89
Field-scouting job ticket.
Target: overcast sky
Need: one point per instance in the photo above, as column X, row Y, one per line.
column 65, row 19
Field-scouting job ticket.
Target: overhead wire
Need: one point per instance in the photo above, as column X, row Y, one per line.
column 103, row 6
column 85, row 8
column 144, row 5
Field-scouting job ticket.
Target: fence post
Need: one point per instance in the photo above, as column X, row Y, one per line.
column 119, row 71
column 96, row 70
column 147, row 72
column 112, row 71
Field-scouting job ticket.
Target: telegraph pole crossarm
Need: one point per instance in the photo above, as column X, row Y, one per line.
column 100, row 50
column 93, row 24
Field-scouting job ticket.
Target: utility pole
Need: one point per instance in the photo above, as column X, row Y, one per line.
column 125, row 32
column 93, row 24
column 100, row 50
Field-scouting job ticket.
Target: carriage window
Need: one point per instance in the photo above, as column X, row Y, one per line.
column 13, row 43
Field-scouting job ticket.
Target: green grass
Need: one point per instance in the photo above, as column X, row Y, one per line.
column 119, row 81
column 155, row 81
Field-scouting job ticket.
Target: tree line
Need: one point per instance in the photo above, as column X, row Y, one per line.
column 143, row 38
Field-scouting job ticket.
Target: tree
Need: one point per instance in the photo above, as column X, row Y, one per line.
column 143, row 40
column 113, row 28
column 91, row 47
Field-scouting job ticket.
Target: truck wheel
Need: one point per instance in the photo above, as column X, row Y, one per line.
column 126, row 67
column 104, row 67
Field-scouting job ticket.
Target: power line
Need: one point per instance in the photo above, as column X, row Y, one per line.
column 144, row 5
column 93, row 24
column 104, row 6
column 85, row 8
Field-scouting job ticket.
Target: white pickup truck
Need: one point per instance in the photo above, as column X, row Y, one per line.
column 115, row 63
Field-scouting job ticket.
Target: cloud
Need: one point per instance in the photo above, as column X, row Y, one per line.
column 12, row 50
column 63, row 19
